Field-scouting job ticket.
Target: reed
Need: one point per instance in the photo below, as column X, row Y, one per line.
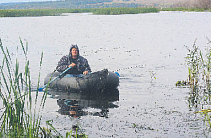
column 19, row 119
column 194, row 60
column 199, row 71
column 199, row 66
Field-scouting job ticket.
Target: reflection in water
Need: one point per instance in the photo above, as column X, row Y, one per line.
column 74, row 104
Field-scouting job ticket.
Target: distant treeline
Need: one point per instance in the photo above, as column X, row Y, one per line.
column 56, row 12
column 186, row 9
column 86, row 4
column 99, row 11
column 70, row 4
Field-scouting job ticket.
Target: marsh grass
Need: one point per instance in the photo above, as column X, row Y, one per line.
column 21, row 111
column 194, row 61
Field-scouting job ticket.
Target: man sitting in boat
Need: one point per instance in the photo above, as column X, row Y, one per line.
column 79, row 65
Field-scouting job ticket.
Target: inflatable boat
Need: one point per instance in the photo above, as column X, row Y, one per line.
column 95, row 82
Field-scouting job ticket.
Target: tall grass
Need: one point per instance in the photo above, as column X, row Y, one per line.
column 19, row 118
column 199, row 65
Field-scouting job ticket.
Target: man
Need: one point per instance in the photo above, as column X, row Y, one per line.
column 78, row 63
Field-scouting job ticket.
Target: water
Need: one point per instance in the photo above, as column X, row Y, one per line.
column 147, row 50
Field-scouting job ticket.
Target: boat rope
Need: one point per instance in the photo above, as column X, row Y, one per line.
column 127, row 68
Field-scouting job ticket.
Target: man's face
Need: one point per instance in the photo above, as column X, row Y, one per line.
column 74, row 52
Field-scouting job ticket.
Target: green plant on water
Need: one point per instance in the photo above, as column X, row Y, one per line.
column 206, row 78
column 142, row 127
column 20, row 116
column 194, row 61
column 199, row 71
column 51, row 132
column 181, row 83
column 152, row 74
column 199, row 65
column 207, row 64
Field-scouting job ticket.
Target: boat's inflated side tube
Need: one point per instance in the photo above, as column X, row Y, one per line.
column 112, row 80
column 96, row 81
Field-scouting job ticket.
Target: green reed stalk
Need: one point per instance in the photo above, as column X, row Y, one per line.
column 199, row 66
column 194, row 61
column 18, row 118
column 207, row 64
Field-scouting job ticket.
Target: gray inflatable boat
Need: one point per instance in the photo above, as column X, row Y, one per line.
column 96, row 82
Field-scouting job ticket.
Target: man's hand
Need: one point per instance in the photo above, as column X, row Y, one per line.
column 72, row 65
column 85, row 72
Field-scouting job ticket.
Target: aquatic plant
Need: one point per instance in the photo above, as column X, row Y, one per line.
column 199, row 66
column 199, row 71
column 19, row 118
column 152, row 74
column 194, row 61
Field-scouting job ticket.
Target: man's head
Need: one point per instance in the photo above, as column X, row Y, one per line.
column 74, row 52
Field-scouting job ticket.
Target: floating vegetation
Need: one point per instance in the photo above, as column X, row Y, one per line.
column 181, row 83
column 141, row 127
column 152, row 74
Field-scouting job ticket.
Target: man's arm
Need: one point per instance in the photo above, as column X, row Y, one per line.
column 62, row 64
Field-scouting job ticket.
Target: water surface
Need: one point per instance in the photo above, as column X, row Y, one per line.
column 140, row 47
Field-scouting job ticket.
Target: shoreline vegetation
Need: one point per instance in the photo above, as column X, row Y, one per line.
column 95, row 11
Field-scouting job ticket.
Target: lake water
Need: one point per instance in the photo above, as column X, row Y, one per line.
column 146, row 49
